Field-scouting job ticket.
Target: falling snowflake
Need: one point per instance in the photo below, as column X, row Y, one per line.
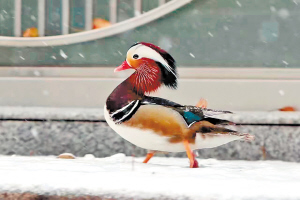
column 238, row 3
column 63, row 54
column 81, row 55
column 273, row 9
column 281, row 92
column 33, row 18
column 192, row 55
column 295, row 2
column 37, row 73
column 210, row 34
column 45, row 92
column 284, row 13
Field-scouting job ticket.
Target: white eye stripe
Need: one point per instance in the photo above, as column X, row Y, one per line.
column 146, row 52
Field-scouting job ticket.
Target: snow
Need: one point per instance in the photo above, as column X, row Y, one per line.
column 121, row 176
column 36, row 73
column 210, row 34
column 63, row 54
column 273, row 9
column 295, row 2
column 33, row 18
column 281, row 92
column 284, row 13
column 284, row 62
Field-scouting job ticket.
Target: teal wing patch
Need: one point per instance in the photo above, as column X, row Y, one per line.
column 190, row 118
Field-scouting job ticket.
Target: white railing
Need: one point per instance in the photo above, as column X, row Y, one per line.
column 65, row 39
column 41, row 17
column 18, row 14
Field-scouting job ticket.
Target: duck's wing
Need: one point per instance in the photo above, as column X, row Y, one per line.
column 190, row 114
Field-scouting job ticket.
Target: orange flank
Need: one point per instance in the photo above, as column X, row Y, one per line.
column 100, row 23
column 31, row 32
column 163, row 121
column 288, row 108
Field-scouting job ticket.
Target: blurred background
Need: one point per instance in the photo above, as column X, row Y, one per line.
column 56, row 70
column 57, row 59
column 202, row 33
column 251, row 44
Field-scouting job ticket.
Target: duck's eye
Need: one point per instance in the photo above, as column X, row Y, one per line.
column 135, row 56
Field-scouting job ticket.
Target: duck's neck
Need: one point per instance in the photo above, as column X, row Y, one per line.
column 140, row 83
column 145, row 79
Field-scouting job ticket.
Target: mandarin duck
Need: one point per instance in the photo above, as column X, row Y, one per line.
column 157, row 124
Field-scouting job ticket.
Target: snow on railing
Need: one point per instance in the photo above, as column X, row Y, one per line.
column 88, row 35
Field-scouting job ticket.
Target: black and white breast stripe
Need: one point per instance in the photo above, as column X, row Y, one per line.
column 125, row 113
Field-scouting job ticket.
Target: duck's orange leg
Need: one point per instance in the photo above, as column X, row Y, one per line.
column 191, row 155
column 196, row 165
column 150, row 154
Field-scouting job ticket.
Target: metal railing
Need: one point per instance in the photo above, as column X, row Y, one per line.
column 84, row 36
column 66, row 15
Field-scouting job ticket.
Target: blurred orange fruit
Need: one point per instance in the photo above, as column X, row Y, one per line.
column 288, row 108
column 100, row 23
column 31, row 32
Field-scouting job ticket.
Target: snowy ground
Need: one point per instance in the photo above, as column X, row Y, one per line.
column 120, row 176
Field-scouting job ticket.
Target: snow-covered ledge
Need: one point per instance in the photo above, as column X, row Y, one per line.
column 120, row 177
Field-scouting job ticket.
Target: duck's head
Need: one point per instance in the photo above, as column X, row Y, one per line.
column 153, row 67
